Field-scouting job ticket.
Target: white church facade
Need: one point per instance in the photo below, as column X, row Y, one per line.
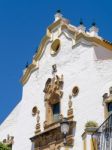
column 70, row 77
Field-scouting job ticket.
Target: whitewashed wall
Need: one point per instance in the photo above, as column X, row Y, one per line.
column 80, row 67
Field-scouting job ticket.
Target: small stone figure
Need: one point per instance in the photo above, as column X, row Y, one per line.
column 54, row 69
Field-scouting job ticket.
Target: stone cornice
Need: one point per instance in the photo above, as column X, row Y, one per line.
column 44, row 139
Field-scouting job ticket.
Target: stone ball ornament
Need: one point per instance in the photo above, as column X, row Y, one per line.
column 55, row 46
column 75, row 91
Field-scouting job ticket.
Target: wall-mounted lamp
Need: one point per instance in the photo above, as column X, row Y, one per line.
column 64, row 129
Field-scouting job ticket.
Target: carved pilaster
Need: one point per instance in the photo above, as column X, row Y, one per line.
column 70, row 109
column 38, row 122
column 35, row 113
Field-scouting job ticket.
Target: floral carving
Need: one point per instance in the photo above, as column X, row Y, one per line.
column 53, row 89
column 45, row 139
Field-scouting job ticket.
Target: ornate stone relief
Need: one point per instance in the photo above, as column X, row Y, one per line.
column 53, row 89
column 107, row 99
column 36, row 112
column 52, row 138
column 53, row 94
column 70, row 109
column 9, row 140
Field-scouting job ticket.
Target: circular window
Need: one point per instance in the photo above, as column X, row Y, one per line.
column 55, row 46
column 75, row 90
column 34, row 111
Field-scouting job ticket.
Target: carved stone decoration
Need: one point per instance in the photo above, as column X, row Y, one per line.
column 53, row 93
column 75, row 91
column 70, row 109
column 53, row 137
column 38, row 123
column 70, row 102
column 36, row 112
column 107, row 100
column 9, row 140
column 53, row 89
column 54, row 69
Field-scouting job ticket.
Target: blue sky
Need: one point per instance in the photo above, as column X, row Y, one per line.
column 22, row 26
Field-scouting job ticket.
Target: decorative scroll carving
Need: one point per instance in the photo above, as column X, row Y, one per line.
column 36, row 112
column 9, row 140
column 53, row 89
column 53, row 94
column 38, row 123
column 70, row 109
column 53, row 135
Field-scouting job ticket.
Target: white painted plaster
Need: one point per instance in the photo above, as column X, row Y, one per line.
column 80, row 68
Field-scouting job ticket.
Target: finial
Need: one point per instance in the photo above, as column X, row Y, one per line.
column 27, row 65
column 81, row 27
column 93, row 29
column 94, row 24
column 58, row 11
column 81, row 21
column 58, row 15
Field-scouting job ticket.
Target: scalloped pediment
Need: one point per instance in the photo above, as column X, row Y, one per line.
column 71, row 32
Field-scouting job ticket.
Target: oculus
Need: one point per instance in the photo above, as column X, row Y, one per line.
column 55, row 46
column 75, row 91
